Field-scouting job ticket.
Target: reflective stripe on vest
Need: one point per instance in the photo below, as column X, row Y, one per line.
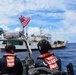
column 50, row 59
column 10, row 61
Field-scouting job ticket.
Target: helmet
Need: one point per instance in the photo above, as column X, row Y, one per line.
column 9, row 47
column 43, row 46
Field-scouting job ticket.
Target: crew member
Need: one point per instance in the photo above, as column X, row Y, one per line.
column 47, row 59
column 10, row 63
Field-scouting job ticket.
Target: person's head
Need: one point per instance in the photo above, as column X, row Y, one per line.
column 43, row 46
column 10, row 48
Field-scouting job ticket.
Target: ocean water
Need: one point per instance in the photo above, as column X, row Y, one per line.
column 66, row 55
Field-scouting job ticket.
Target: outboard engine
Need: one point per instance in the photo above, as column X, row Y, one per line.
column 70, row 69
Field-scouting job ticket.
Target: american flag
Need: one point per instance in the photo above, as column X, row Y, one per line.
column 24, row 21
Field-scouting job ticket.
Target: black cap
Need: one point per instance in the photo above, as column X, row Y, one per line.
column 9, row 47
column 43, row 46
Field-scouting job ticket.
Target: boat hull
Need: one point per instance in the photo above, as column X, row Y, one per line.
column 33, row 46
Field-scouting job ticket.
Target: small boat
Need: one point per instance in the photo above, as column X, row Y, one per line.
column 59, row 44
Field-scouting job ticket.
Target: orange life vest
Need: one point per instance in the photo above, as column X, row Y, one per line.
column 10, row 58
column 50, row 59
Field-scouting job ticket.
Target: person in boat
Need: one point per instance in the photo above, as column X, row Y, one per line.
column 47, row 59
column 10, row 64
column 48, row 63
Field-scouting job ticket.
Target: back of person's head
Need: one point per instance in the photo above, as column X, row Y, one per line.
column 43, row 46
column 9, row 47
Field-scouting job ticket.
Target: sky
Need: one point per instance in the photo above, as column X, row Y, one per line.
column 55, row 17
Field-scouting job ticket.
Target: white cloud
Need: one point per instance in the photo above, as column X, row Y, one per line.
column 43, row 4
column 17, row 29
column 70, row 16
column 38, row 30
column 5, row 28
column 33, row 30
column 11, row 9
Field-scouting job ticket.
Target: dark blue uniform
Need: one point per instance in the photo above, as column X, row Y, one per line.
column 41, row 61
column 17, row 69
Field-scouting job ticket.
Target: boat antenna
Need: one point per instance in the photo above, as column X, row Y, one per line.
column 40, row 31
column 26, row 33
column 23, row 32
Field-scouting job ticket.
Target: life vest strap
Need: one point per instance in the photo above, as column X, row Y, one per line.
column 45, row 55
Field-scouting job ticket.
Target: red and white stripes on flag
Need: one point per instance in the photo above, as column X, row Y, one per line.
column 24, row 21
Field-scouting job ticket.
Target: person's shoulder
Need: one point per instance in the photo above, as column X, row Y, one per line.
column 38, row 61
column 17, row 59
column 2, row 59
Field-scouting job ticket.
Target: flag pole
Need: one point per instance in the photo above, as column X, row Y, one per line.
column 23, row 32
column 26, row 33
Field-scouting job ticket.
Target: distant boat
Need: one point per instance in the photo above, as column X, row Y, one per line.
column 55, row 45
column 33, row 40
column 16, row 38
column 59, row 44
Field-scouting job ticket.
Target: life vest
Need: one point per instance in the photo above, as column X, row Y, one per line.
column 50, row 59
column 10, row 59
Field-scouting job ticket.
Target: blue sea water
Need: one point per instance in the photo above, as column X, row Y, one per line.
column 66, row 55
